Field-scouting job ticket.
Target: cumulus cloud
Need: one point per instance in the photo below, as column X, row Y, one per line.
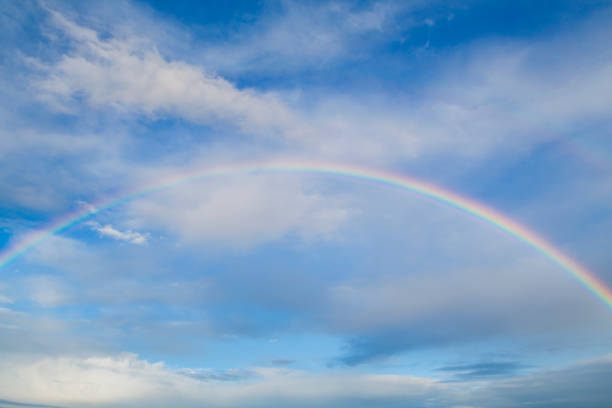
column 109, row 231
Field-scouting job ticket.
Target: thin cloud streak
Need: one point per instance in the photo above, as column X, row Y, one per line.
column 109, row 231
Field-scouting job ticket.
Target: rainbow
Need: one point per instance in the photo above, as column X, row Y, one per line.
column 466, row 205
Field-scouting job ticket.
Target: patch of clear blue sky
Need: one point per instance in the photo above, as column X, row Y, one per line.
column 462, row 21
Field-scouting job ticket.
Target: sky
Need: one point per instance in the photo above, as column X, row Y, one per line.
column 132, row 276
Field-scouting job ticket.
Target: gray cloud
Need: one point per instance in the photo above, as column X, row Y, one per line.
column 484, row 369
column 11, row 404
column 218, row 375
column 585, row 384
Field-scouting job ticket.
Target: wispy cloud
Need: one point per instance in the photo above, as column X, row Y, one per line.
column 129, row 74
column 489, row 97
column 485, row 369
column 108, row 230
column 218, row 375
column 301, row 37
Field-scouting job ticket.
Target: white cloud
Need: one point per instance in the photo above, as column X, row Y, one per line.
column 488, row 97
column 123, row 380
column 109, row 231
column 246, row 211
column 129, row 74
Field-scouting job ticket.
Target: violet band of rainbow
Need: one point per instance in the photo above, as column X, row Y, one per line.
column 586, row 278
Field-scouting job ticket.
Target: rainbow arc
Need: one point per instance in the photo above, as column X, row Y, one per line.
column 478, row 210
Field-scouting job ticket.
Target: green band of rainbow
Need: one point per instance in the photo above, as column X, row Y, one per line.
column 480, row 211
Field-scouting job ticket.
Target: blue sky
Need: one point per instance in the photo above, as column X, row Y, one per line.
column 304, row 290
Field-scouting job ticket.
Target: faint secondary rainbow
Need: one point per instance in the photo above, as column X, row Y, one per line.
column 435, row 193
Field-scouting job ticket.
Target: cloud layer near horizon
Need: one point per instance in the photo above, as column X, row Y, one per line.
column 125, row 380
